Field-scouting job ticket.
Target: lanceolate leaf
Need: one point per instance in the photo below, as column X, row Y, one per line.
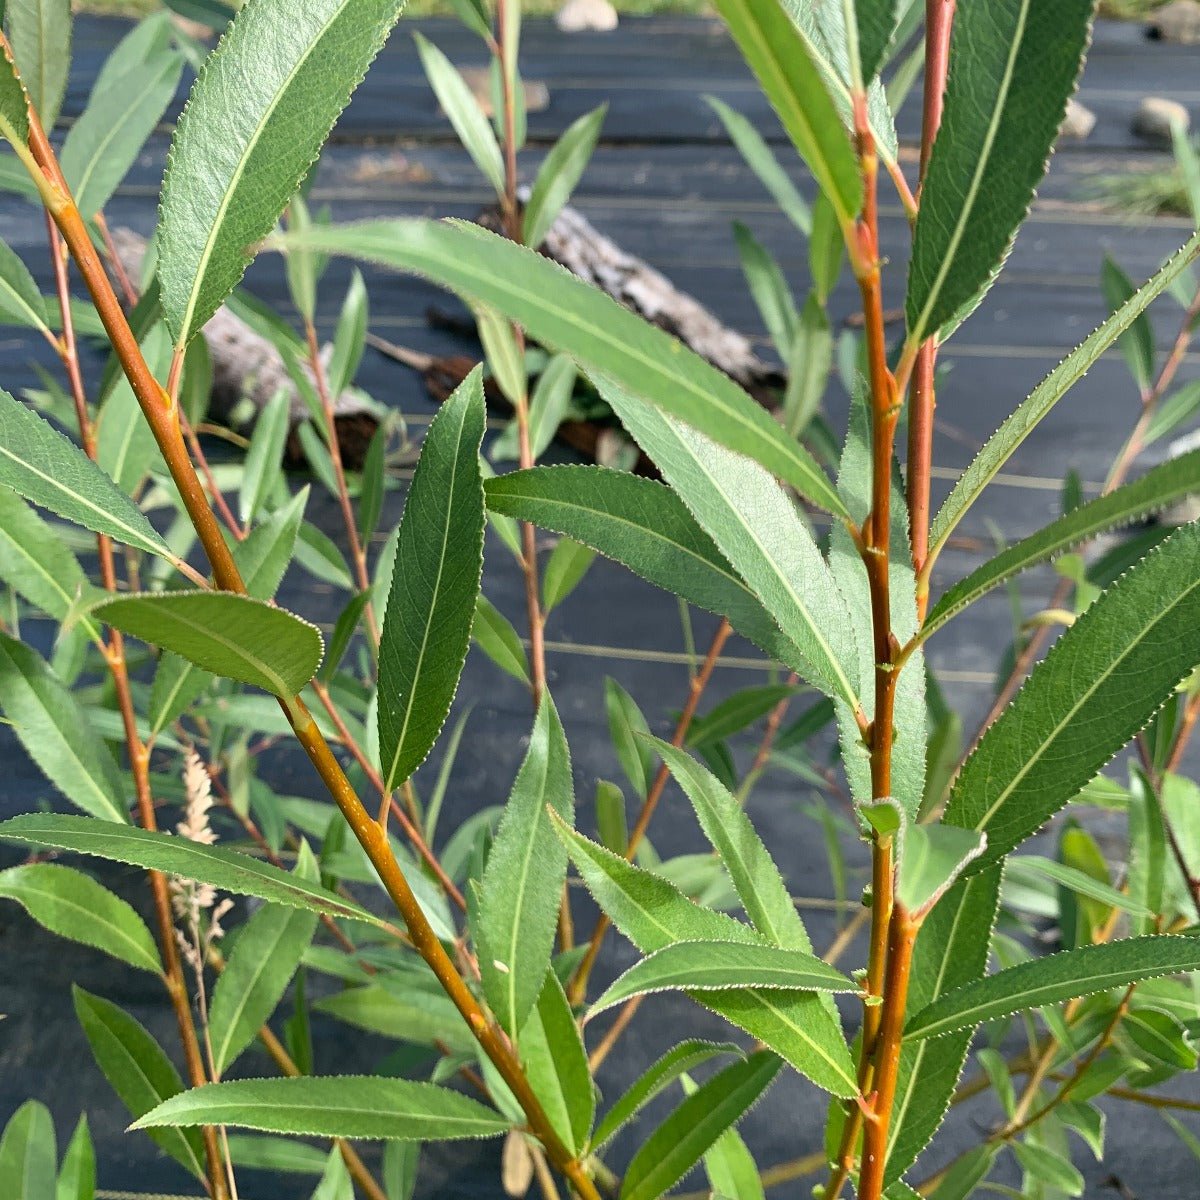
column 20, row 300
column 719, row 966
column 75, row 906
column 680, row 1141
column 1017, row 427
column 435, row 584
column 77, row 1175
column 40, row 464
column 558, row 175
column 562, row 312
column 27, row 1154
column 876, row 21
column 1053, row 979
column 56, row 733
column 231, row 635
column 653, row 914
column 1173, row 479
column 138, row 1071
column 757, row 528
column 40, row 34
column 263, row 104
column 14, row 104
column 646, row 527
column 522, row 884
column 1099, row 685
column 349, row 1106
column 104, row 143
column 1015, row 65
column 258, row 971
column 779, row 56
column 224, row 869
column 651, row 1082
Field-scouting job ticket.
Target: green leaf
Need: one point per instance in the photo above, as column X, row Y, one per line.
column 48, row 469
column 952, row 950
column 127, row 450
column 567, row 565
column 1169, row 414
column 1162, row 1037
column 460, row 106
column 1015, row 65
column 550, row 402
column 757, row 528
column 401, row 1160
column 560, row 311
column 559, row 173
column 522, row 884
column 1160, row 486
column 264, row 102
column 258, row 971
column 629, row 733
column 231, row 635
column 260, row 470
column 224, row 869
column 642, row 525
column 348, row 1106
column 1137, row 342
column 75, row 906
column 54, row 730
column 413, row 1015
column 104, row 143
column 138, row 1070
column 653, row 914
column 269, row 1153
column 435, row 584
column 653, row 1080
column 756, row 878
column 1053, row 979
column 720, row 966
column 1099, row 685
column 1021, row 423
column 1049, row 1168
column 932, row 858
column 20, row 300
column 556, row 1063
column 335, row 1183
column 769, row 289
column 373, row 486
column 762, row 161
column 780, row 57
column 876, row 25
column 495, row 636
column 77, row 1175
column 14, row 105
column 1032, row 867
column 731, row 1169
column 681, row 1140
column 350, row 336
column 40, row 34
column 27, row 1154
column 36, row 563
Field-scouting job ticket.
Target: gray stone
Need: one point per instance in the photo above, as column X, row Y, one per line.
column 578, row 15
column 1079, row 121
column 1177, row 22
column 1156, row 117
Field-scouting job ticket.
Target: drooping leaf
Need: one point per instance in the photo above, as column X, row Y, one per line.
column 1015, row 65
column 435, row 585
column 364, row 1106
column 653, row 914
column 226, row 870
column 653, row 1080
column 138, row 1070
column 27, row 1154
column 1033, row 867
column 54, row 729
column 77, row 1175
column 565, row 314
column 258, row 971
column 1160, row 486
column 229, row 634
column 559, row 173
column 75, row 906
column 1018, row 426
column 48, row 469
column 1053, row 979
column 757, row 528
column 779, row 56
column 556, row 1063
column 522, row 884
column 680, row 1141
column 103, row 144
column 1099, row 685
column 263, row 104
column 40, row 34
column 721, row 966
column 644, row 526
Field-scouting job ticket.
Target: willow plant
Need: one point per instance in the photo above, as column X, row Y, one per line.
column 479, row 960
